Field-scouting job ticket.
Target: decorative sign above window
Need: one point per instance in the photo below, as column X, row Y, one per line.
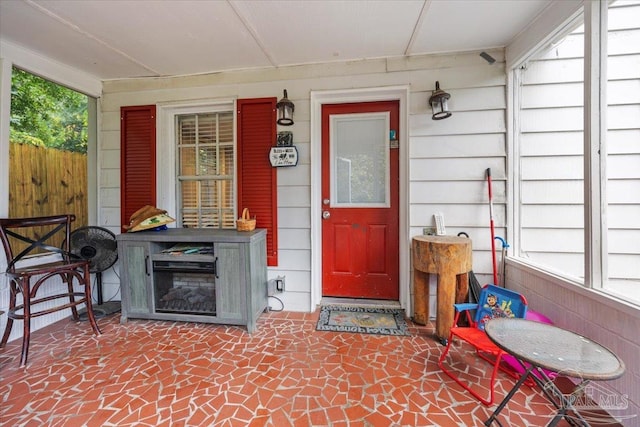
column 283, row 156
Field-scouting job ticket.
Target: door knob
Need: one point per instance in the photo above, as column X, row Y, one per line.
column 326, row 214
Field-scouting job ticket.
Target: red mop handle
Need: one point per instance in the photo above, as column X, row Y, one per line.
column 493, row 243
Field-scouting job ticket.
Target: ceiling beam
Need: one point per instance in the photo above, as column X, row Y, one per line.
column 417, row 26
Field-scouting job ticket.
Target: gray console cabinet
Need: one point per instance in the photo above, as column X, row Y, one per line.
column 239, row 260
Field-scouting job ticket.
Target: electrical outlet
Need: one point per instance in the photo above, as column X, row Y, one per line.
column 275, row 286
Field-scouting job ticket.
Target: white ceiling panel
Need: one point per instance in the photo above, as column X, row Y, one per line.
column 167, row 37
column 474, row 25
column 133, row 38
column 320, row 31
column 28, row 27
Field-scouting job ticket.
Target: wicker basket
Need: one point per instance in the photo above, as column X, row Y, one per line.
column 245, row 223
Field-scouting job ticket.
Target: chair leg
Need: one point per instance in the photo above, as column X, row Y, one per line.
column 89, row 303
column 7, row 332
column 484, row 401
column 68, row 278
column 494, row 374
column 26, row 322
column 24, row 289
column 444, row 353
column 12, row 305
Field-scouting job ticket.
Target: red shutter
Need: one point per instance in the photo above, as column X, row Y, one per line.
column 257, row 179
column 137, row 159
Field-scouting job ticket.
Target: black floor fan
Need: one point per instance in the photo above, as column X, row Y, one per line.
column 99, row 246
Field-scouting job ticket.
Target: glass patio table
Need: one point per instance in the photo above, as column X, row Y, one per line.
column 541, row 347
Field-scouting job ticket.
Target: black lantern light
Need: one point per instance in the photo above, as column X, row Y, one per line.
column 285, row 111
column 438, row 102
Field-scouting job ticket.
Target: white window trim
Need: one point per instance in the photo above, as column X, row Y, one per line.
column 166, row 182
column 595, row 156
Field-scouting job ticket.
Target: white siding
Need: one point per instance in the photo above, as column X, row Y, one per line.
column 448, row 158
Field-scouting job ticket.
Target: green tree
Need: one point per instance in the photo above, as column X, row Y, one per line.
column 47, row 114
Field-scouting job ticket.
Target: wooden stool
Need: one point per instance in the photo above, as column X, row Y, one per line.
column 450, row 258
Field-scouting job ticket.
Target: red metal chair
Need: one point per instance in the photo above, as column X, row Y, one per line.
column 32, row 261
column 494, row 302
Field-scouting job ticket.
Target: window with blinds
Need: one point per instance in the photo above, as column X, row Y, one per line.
column 206, row 170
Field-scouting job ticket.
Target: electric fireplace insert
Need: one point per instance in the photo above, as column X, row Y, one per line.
column 185, row 287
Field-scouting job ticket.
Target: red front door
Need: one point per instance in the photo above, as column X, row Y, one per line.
column 360, row 232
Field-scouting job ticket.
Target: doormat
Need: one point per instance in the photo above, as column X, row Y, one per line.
column 364, row 320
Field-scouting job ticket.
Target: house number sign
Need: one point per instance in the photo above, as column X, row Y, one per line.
column 283, row 156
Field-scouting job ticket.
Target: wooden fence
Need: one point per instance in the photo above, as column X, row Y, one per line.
column 45, row 181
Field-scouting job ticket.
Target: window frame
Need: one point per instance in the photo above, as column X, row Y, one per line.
column 166, row 180
column 594, row 17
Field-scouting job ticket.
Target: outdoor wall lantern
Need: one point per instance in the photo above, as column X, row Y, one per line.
column 285, row 111
column 438, row 102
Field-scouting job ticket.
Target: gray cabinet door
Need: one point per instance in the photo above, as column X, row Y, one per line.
column 137, row 276
column 230, row 281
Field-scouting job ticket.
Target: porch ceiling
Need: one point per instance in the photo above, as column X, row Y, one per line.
column 135, row 38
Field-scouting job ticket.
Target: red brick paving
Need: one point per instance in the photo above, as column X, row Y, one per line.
column 156, row 373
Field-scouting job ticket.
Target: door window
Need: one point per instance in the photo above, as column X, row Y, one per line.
column 360, row 160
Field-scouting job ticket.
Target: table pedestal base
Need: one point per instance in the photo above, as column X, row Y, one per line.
column 562, row 402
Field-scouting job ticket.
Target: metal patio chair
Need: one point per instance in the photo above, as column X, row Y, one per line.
column 30, row 267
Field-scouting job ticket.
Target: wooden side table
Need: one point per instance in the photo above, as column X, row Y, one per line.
column 450, row 258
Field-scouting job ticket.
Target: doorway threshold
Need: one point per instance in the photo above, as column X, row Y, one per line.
column 360, row 302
